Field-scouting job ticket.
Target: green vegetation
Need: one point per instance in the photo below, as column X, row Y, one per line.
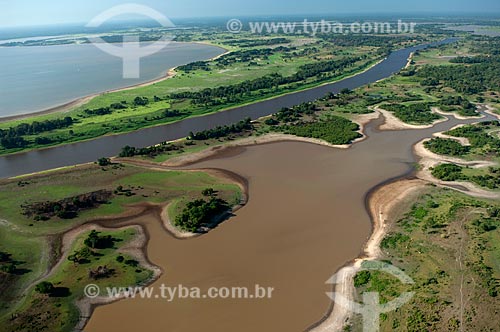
column 201, row 212
column 458, row 104
column 336, row 130
column 447, row 243
column 448, row 172
column 481, row 141
column 474, row 78
column 95, row 256
column 419, row 114
column 151, row 151
column 490, row 178
column 362, row 278
column 66, row 208
column 50, row 306
column 446, row 146
column 224, row 131
column 393, row 240
column 484, row 145
column 247, row 74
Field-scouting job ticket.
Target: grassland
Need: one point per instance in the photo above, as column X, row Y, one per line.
column 57, row 311
column 446, row 242
column 227, row 70
column 35, row 245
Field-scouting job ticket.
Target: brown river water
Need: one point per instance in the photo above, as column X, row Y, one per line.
column 305, row 218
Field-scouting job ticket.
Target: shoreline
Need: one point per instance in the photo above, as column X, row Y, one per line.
column 69, row 106
column 180, row 120
column 171, row 72
column 393, row 123
column 210, row 152
column 136, row 249
column 381, row 203
column 398, row 190
column 428, row 159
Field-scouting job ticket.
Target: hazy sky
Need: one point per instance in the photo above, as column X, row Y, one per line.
column 39, row 12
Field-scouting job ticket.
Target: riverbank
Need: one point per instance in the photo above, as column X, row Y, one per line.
column 383, row 203
column 71, row 106
column 428, row 160
column 111, row 144
column 191, row 158
column 393, row 123
column 309, row 176
column 66, row 107
column 135, row 249
column 43, row 248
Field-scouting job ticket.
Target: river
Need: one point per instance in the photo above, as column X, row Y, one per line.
column 88, row 151
column 305, row 218
column 35, row 78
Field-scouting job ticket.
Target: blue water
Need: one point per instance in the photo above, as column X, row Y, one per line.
column 37, row 78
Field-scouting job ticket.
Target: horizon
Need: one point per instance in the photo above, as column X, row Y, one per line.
column 337, row 16
column 29, row 13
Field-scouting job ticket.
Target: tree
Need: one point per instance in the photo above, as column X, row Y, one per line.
column 104, row 162
column 45, row 287
column 4, row 256
column 95, row 241
column 141, row 101
column 128, row 151
column 80, row 256
column 92, row 240
column 8, row 268
column 209, row 192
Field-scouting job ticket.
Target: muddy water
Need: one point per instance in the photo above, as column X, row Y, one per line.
column 305, row 218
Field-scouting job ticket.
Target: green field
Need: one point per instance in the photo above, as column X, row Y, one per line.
column 446, row 242
column 31, row 245
column 228, row 70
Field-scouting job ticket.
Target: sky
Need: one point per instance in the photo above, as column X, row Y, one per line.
column 44, row 12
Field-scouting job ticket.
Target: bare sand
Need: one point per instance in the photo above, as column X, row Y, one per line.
column 455, row 115
column 491, row 110
column 410, row 59
column 429, row 160
column 84, row 100
column 462, row 140
column 393, row 123
column 191, row 158
column 64, row 108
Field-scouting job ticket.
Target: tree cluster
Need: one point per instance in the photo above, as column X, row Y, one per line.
column 200, row 212
column 222, row 131
column 66, row 208
column 13, row 137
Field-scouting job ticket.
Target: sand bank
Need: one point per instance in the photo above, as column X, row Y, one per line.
column 429, row 160
column 192, row 158
column 393, row 123
column 84, row 100
column 455, row 115
column 382, row 203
